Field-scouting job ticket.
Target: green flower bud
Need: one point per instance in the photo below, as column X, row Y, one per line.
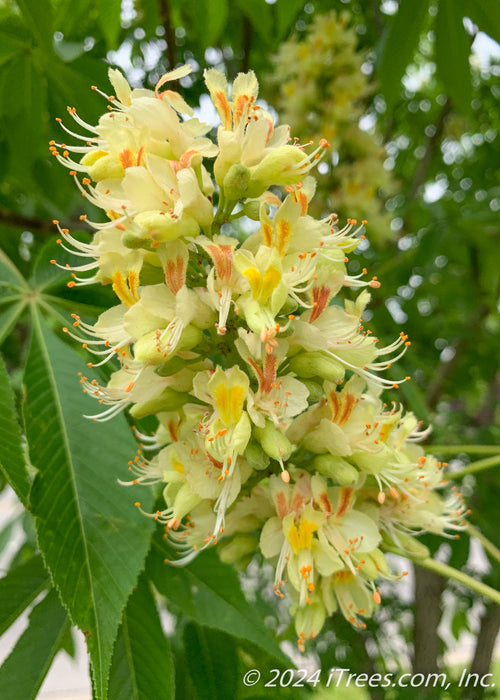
column 308, row 621
column 368, row 567
column 129, row 240
column 238, row 550
column 102, row 166
column 289, row 306
column 236, row 181
column 273, row 441
column 317, row 364
column 378, row 558
column 169, row 400
column 374, row 565
column 162, row 226
column 410, row 545
column 172, row 366
column 152, row 274
column 336, row 468
column 316, row 391
column 252, row 210
column 255, row 456
column 185, row 501
column 279, row 167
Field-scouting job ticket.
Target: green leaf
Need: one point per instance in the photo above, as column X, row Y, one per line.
column 9, row 46
column 10, row 276
column 19, row 588
column 260, row 14
column 452, row 53
column 12, row 460
column 7, row 530
column 149, row 15
column 9, row 82
column 214, row 12
column 52, row 282
column 25, row 108
column 212, row 662
column 459, row 624
column 74, row 17
column 109, row 20
column 486, row 14
column 9, row 313
column 209, row 592
column 92, row 538
column 22, row 673
column 38, row 16
column 216, row 17
column 287, row 11
column 399, row 46
column 142, row 666
column 70, row 85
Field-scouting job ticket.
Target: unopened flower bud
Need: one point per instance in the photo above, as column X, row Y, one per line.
column 411, row 545
column 169, row 400
column 279, row 167
column 308, row 621
column 252, row 210
column 239, row 550
column 236, row 182
column 317, row 364
column 102, row 166
column 289, row 306
column 255, row 456
column 374, row 565
column 172, row 366
column 273, row 442
column 315, row 390
column 162, row 226
column 129, row 240
column 336, row 468
column 184, row 502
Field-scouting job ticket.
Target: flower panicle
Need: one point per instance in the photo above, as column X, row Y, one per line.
column 271, row 434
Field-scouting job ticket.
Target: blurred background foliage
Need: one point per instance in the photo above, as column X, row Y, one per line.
column 407, row 94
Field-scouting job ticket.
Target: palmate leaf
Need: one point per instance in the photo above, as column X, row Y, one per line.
column 399, row 46
column 19, row 588
column 486, row 14
column 38, row 17
column 215, row 16
column 12, row 295
column 50, row 283
column 10, row 277
column 452, row 53
column 108, row 17
column 212, row 662
column 92, row 538
column 22, row 673
column 286, row 14
column 12, row 461
column 11, row 308
column 142, row 666
column 209, row 592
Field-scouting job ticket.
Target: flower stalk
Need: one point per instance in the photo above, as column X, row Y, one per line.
column 475, row 467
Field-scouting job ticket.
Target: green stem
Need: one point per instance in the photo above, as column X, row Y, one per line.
column 488, row 546
column 449, row 572
column 464, row 449
column 474, row 467
column 238, row 215
column 220, row 206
